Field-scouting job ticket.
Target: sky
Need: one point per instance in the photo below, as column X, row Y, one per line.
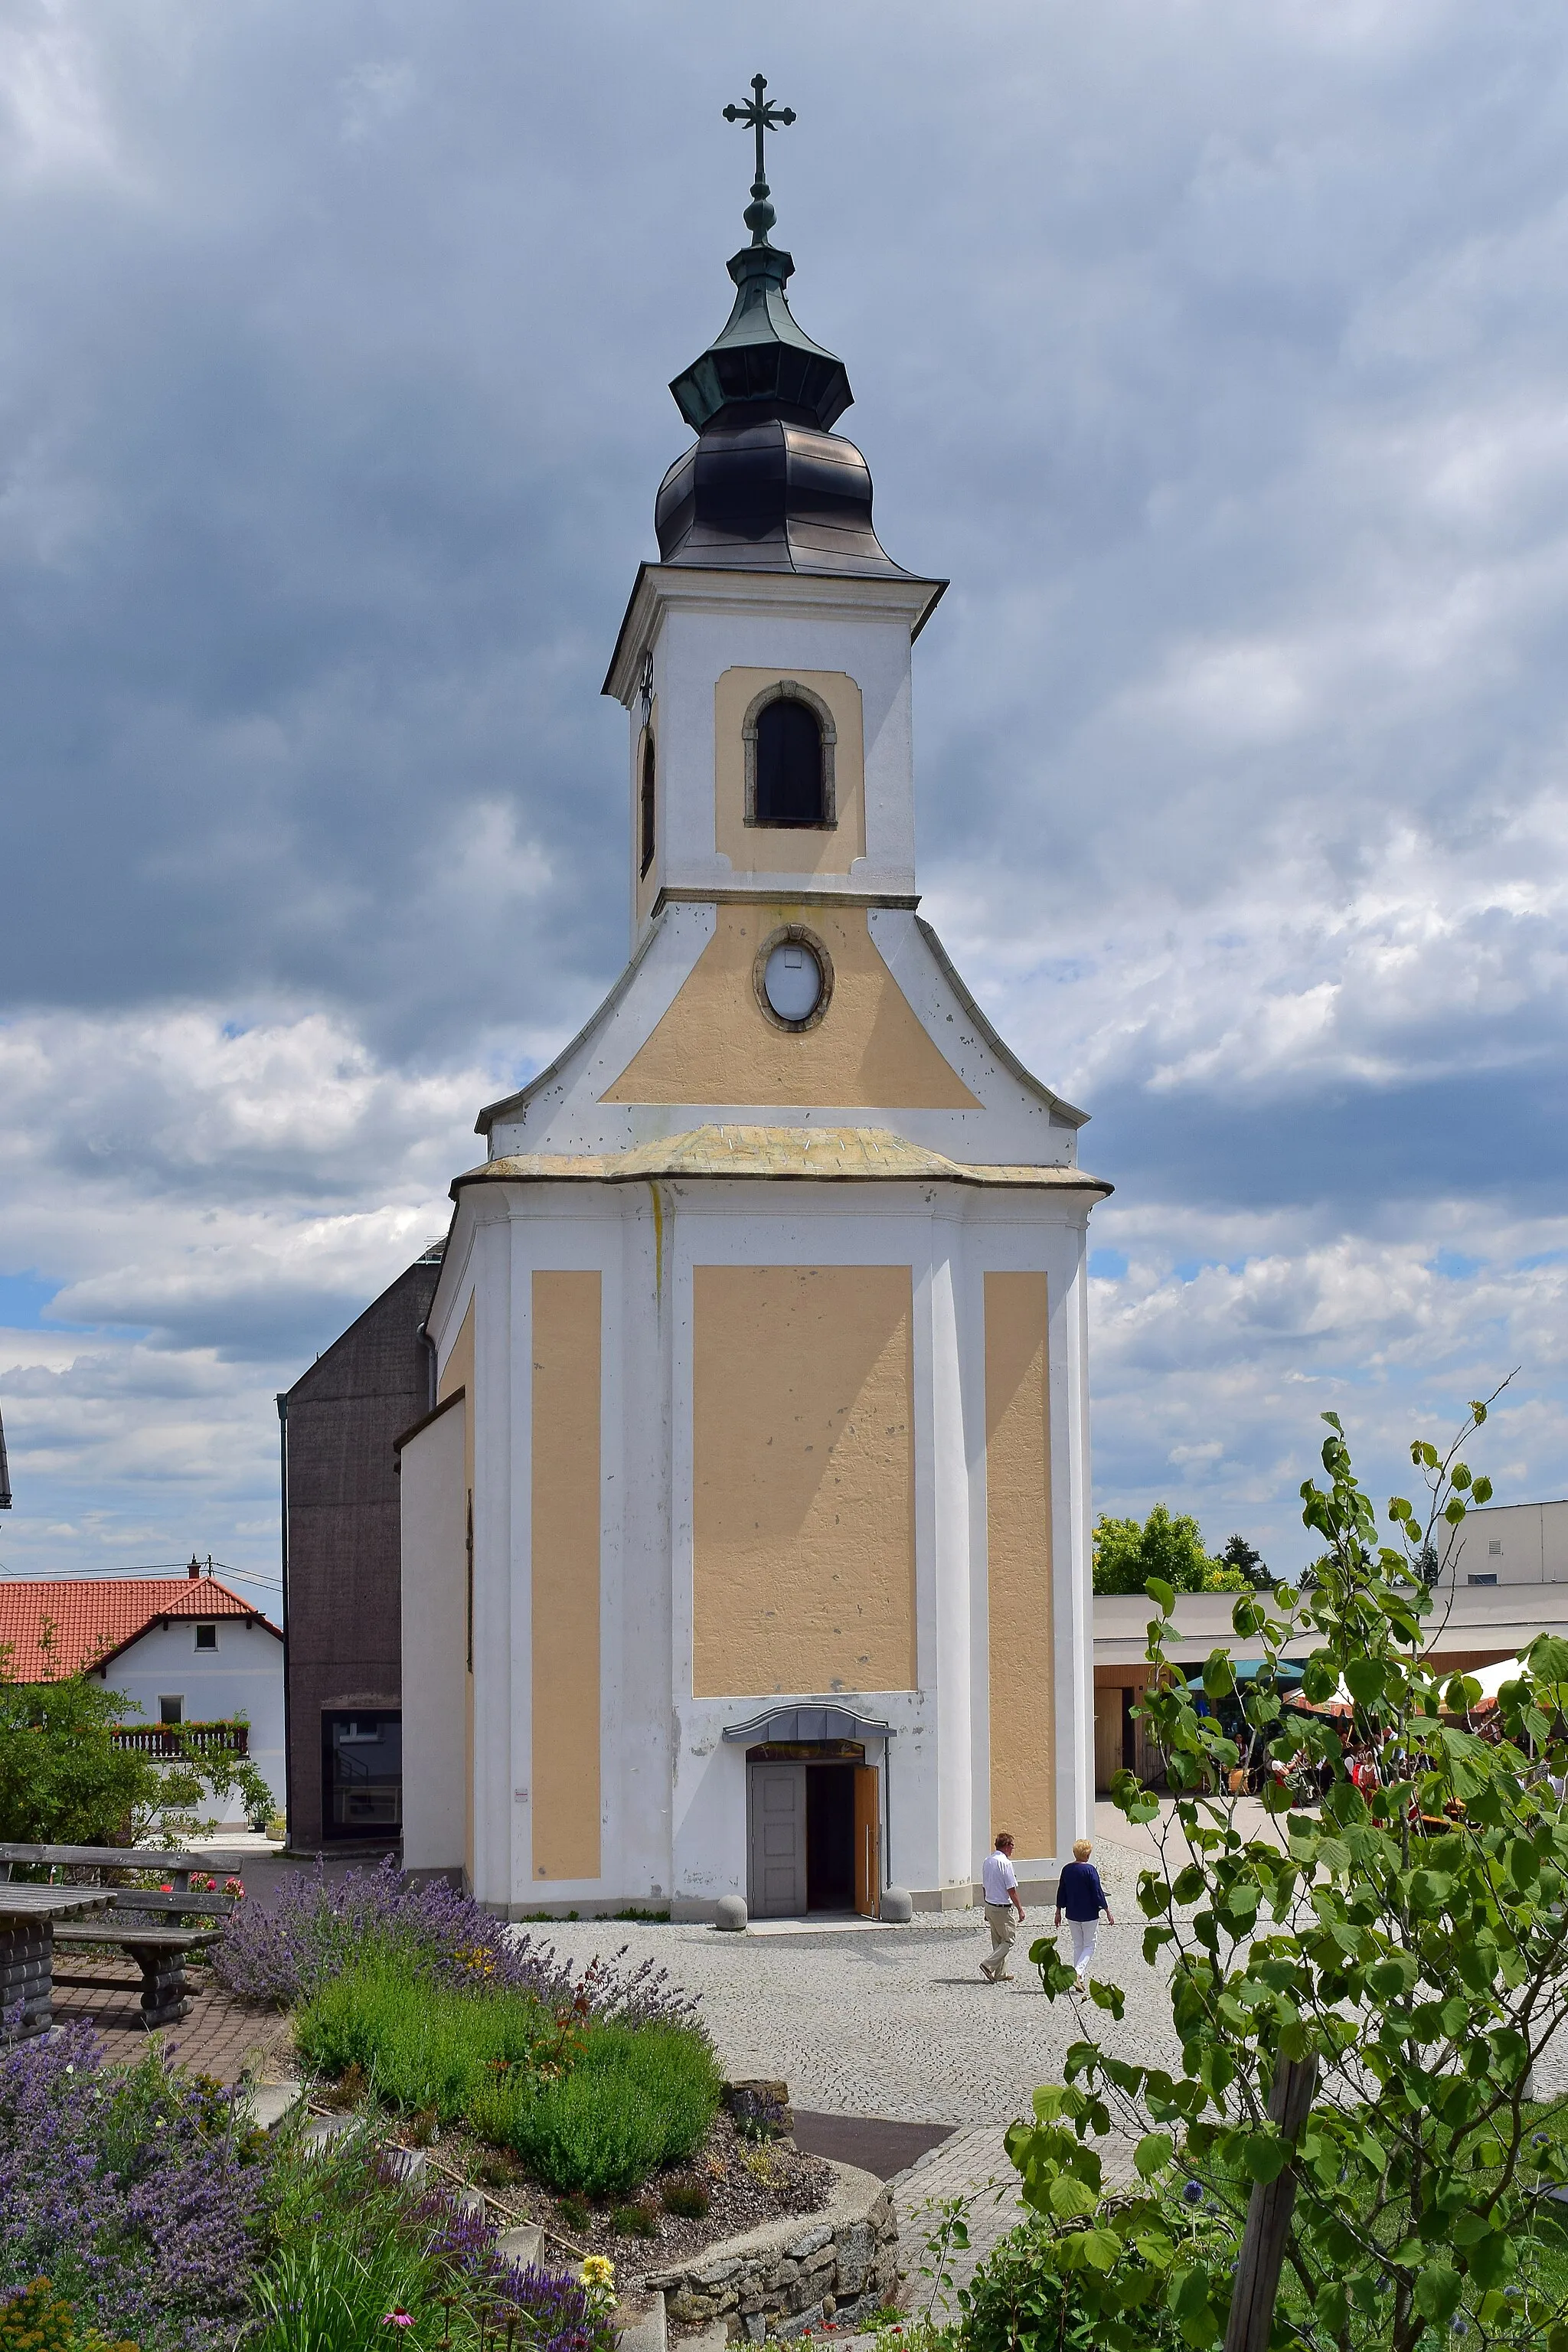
column 1216, row 349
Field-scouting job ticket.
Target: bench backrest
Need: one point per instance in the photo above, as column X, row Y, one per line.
column 176, row 1867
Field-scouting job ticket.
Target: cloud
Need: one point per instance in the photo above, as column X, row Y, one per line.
column 1212, row 352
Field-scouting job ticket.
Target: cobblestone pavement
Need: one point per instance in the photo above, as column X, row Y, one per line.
column 896, row 2022
column 220, row 2036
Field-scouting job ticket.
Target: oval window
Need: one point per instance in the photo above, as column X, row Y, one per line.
column 792, row 981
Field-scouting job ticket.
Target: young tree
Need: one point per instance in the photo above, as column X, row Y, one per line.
column 1128, row 1552
column 1360, row 1994
column 1249, row 1563
column 63, row 1780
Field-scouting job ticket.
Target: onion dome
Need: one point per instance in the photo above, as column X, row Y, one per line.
column 767, row 485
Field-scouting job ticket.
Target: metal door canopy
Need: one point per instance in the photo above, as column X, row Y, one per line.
column 805, row 1722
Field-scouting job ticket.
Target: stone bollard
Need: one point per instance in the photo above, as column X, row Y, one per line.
column 898, row 1906
column 730, row 1915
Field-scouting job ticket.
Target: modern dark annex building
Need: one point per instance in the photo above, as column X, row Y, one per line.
column 341, row 1567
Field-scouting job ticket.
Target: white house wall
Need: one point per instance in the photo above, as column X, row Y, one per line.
column 244, row 1675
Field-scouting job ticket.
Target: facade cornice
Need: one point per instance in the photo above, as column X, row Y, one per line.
column 833, row 595
column 832, row 1155
column 755, row 893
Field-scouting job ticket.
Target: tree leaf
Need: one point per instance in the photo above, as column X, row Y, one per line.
column 1437, row 2292
column 1266, row 2156
column 1102, row 2248
column 1152, row 2154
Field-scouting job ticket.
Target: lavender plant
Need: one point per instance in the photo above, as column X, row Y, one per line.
column 356, row 2260
column 134, row 2194
column 318, row 1926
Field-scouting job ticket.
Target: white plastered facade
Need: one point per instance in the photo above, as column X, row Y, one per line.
column 642, row 1192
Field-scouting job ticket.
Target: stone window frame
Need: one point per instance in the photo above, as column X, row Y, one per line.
column 793, row 935
column 789, row 689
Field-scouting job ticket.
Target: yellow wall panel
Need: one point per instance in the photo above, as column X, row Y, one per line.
column 804, row 1508
column 715, row 1045
column 1018, row 1552
column 565, row 1522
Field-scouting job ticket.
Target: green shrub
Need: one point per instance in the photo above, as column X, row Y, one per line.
column 689, row 2199
column 574, row 2215
column 635, row 2220
column 419, row 2045
column 1015, row 2301
column 639, row 2097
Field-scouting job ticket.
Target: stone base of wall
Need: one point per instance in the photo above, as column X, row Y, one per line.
column 840, row 2263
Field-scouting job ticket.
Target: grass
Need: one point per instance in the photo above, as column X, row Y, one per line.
column 589, row 2108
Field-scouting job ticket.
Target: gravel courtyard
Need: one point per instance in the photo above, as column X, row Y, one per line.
column 896, row 2022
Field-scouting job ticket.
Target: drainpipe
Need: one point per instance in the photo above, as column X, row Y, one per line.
column 288, row 1678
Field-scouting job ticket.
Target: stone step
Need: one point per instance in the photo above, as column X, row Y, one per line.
column 641, row 2327
column 267, row 2103
column 524, row 2245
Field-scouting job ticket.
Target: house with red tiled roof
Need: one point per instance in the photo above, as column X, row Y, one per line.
column 184, row 1649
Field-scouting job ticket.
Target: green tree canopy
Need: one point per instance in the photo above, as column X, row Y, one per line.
column 1128, row 1552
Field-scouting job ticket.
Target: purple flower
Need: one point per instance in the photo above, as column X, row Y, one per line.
column 317, row 1925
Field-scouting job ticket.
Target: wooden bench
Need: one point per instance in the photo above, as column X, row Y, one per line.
column 177, row 1869
column 159, row 1952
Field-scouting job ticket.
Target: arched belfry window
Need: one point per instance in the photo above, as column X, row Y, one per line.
column 647, row 803
column 790, row 741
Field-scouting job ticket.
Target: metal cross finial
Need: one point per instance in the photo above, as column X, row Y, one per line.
column 759, row 114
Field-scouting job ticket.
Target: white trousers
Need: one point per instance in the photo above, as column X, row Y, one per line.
column 1083, row 1933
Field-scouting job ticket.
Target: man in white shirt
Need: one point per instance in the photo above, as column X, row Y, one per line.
column 999, row 1884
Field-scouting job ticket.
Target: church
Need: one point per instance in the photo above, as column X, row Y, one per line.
column 746, row 1550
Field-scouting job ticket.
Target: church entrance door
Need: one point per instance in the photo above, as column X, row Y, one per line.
column 812, row 1830
column 777, row 1793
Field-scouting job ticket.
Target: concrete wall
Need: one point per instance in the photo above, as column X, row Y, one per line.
column 435, row 1638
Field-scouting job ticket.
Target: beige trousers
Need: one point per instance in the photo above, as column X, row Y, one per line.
column 1002, row 1922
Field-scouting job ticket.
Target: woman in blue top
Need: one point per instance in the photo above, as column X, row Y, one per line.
column 1080, row 1894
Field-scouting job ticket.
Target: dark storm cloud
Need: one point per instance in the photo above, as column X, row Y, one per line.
column 1214, row 351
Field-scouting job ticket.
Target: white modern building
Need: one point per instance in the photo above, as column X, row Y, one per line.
column 747, row 1549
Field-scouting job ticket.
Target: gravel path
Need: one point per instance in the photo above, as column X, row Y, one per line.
column 896, row 2020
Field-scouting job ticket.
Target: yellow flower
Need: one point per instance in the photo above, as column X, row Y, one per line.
column 597, row 2270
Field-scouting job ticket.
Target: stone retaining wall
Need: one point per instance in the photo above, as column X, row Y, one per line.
column 839, row 2263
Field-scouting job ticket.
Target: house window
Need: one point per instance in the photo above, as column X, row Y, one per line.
column 171, row 1710
column 790, row 739
column 206, row 1637
column 361, row 1774
column 1482, row 1579
column 648, row 803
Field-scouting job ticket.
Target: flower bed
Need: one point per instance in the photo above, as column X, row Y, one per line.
column 318, row 1926
column 140, row 2206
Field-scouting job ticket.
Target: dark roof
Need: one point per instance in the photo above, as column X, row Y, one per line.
column 767, row 485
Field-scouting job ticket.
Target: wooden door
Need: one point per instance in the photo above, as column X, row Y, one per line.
column 868, row 1841
column 1108, row 1707
column 776, row 1794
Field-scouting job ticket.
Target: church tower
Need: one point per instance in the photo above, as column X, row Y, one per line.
column 747, row 1549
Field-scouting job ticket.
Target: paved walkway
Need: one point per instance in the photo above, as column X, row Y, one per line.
column 896, row 2022
column 221, row 2036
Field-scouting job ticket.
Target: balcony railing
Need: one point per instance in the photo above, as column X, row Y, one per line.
column 175, row 1739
